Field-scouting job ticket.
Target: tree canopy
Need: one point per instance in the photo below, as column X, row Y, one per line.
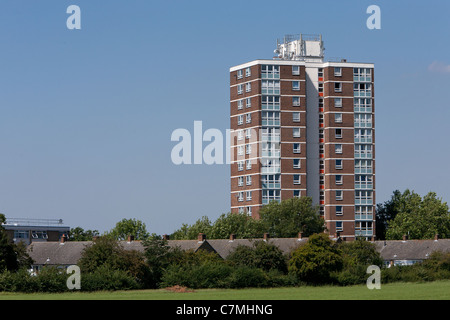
column 415, row 216
column 291, row 216
column 129, row 227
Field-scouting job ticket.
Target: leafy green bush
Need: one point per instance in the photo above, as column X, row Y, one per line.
column 262, row 255
column 317, row 260
column 247, row 277
column 206, row 275
column 105, row 278
column 47, row 280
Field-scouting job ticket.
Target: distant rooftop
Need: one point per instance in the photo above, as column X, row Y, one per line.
column 303, row 47
column 33, row 222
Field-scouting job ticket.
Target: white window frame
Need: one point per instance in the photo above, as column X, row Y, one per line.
column 240, row 104
column 248, row 133
column 240, row 88
column 248, row 148
column 338, row 71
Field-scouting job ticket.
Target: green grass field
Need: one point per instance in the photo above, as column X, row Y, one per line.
column 439, row 290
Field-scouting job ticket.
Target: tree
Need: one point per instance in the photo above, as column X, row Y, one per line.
column 159, row 255
column 107, row 253
column 315, row 261
column 419, row 218
column 129, row 227
column 79, row 234
column 287, row 218
column 102, row 251
column 360, row 252
column 239, row 224
column 8, row 257
column 261, row 255
column 186, row 232
column 386, row 212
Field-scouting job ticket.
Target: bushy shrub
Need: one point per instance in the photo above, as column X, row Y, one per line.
column 351, row 275
column 247, row 277
column 51, row 279
column 47, row 280
column 105, row 278
column 315, row 261
column 206, row 275
column 262, row 255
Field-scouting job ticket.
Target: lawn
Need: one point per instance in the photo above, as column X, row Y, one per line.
column 439, row 290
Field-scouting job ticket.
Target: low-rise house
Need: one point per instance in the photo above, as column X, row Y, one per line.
column 66, row 253
column 407, row 252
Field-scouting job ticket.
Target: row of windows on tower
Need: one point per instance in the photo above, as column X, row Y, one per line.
column 271, row 71
column 269, row 102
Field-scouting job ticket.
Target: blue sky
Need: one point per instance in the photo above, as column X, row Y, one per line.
column 86, row 115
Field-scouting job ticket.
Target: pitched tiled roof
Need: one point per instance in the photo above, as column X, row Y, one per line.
column 55, row 253
column 68, row 253
column 411, row 249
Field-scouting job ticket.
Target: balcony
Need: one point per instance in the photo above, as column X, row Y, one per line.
column 364, row 202
column 363, row 185
column 363, row 171
column 363, row 155
column 270, row 123
column 362, row 78
column 361, row 124
column 363, row 139
column 270, row 76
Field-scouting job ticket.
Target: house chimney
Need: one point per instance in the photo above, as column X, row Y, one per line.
column 300, row 235
column 405, row 237
column 232, row 237
column 130, row 238
column 201, row 237
column 63, row 238
column 166, row 237
column 436, row 237
column 266, row 236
